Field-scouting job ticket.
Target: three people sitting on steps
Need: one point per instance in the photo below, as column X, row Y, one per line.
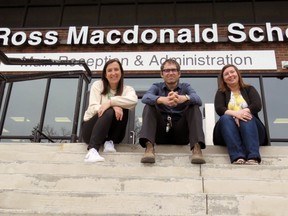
column 172, row 116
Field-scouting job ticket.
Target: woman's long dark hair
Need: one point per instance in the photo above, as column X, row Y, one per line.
column 120, row 85
column 223, row 86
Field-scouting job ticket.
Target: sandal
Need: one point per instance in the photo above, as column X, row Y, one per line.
column 239, row 161
column 252, row 162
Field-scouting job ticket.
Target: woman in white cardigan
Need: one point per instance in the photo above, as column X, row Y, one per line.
column 106, row 117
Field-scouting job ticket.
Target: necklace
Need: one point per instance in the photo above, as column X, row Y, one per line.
column 110, row 93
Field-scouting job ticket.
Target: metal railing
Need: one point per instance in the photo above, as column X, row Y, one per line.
column 85, row 74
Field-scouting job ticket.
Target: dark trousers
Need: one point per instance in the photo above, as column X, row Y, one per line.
column 97, row 130
column 188, row 129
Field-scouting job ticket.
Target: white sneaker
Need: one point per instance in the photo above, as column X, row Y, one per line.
column 109, row 146
column 93, row 156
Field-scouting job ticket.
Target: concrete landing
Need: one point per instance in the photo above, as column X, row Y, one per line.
column 52, row 179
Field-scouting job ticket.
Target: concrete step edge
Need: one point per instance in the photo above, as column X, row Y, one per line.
column 188, row 164
column 55, row 177
column 94, row 176
column 176, row 186
column 150, row 194
column 75, row 147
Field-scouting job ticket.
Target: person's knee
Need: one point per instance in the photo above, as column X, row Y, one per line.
column 149, row 112
column 225, row 118
column 227, row 122
column 194, row 110
column 149, row 109
column 249, row 124
column 194, row 107
column 109, row 112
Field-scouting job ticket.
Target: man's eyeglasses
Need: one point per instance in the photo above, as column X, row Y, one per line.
column 173, row 70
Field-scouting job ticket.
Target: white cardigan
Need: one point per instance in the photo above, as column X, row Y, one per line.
column 127, row 100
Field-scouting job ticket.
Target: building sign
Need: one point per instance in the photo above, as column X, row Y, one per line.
column 151, row 61
column 236, row 33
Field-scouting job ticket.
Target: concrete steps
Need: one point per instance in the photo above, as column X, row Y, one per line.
column 52, row 179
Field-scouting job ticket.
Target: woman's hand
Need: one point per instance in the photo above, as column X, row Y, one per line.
column 118, row 113
column 104, row 107
column 244, row 115
column 118, row 110
column 237, row 121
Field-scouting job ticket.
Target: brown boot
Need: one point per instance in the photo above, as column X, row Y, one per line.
column 197, row 157
column 149, row 155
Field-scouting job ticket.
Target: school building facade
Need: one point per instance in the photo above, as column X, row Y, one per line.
column 72, row 40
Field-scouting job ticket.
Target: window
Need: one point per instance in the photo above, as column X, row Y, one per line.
column 60, row 108
column 24, row 109
column 43, row 16
column 277, row 107
column 12, row 17
column 156, row 14
column 80, row 15
column 50, row 2
column 192, row 13
column 271, row 11
column 57, row 13
column 113, row 15
column 234, row 12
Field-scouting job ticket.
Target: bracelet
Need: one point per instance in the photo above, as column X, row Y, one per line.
column 187, row 97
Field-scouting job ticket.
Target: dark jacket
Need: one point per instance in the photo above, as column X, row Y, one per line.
column 251, row 97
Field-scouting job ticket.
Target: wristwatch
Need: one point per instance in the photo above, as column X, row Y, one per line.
column 187, row 96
